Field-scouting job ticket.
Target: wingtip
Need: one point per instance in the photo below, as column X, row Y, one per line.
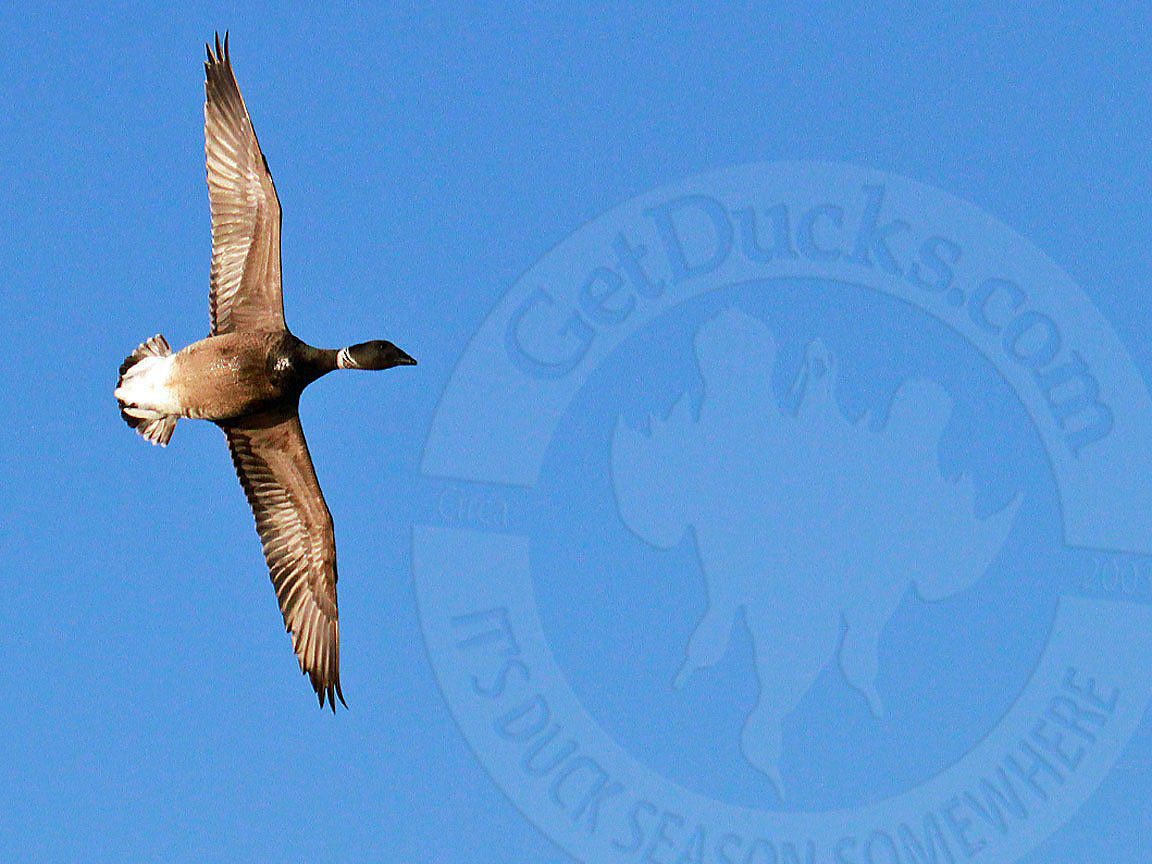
column 327, row 696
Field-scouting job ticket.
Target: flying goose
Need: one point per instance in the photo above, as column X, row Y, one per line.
column 247, row 377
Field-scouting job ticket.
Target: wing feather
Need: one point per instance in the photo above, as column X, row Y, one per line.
column 274, row 466
column 246, row 293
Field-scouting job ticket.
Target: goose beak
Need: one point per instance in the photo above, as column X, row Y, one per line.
column 404, row 359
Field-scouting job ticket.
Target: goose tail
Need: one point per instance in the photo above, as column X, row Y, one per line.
column 132, row 390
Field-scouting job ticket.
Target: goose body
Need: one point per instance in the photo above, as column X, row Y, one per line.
column 226, row 377
column 247, row 377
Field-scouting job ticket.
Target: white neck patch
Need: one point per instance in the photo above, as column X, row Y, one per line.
column 344, row 360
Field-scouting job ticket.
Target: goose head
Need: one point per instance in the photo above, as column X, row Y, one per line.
column 375, row 355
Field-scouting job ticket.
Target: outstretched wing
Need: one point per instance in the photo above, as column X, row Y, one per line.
column 246, row 294
column 295, row 527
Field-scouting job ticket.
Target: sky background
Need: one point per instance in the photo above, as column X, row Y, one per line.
column 424, row 159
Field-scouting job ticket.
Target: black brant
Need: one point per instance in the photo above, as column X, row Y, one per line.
column 247, row 377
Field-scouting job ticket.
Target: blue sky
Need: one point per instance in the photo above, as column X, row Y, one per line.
column 426, row 159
